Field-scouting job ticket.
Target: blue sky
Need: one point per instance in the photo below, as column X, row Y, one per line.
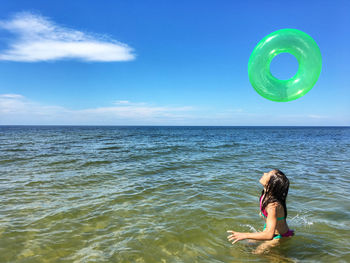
column 164, row 62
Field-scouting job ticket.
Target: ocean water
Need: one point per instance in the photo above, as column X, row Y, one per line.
column 169, row 194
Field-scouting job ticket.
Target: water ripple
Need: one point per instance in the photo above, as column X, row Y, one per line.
column 168, row 194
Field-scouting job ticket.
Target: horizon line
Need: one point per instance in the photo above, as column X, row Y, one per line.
column 94, row 125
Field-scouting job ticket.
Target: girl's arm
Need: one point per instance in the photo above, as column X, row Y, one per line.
column 267, row 234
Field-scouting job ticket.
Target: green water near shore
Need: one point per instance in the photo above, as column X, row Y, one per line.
column 168, row 194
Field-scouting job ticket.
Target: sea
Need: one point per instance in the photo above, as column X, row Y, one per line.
column 169, row 193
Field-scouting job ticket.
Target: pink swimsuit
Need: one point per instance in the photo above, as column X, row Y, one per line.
column 289, row 233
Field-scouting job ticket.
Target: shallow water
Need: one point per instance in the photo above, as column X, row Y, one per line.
column 168, row 194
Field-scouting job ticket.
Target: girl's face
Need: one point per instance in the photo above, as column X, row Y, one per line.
column 265, row 178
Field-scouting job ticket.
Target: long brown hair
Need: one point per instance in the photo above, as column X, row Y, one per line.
column 276, row 190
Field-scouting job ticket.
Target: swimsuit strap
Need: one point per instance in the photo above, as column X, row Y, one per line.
column 277, row 236
column 289, row 233
column 278, row 218
column 262, row 211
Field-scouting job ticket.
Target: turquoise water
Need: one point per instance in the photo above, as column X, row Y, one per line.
column 168, row 194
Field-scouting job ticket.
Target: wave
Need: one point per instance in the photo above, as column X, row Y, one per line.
column 15, row 150
column 12, row 160
column 95, row 163
column 110, row 148
column 63, row 162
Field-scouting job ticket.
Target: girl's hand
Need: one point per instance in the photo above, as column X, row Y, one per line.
column 237, row 236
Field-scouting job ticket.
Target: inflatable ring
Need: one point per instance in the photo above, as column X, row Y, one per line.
column 292, row 41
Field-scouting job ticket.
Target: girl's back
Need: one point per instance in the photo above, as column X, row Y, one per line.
column 281, row 225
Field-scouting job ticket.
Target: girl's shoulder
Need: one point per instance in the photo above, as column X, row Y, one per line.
column 275, row 208
column 274, row 205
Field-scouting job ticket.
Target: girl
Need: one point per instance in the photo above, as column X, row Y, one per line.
column 273, row 208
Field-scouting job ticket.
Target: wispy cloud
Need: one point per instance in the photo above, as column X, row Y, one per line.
column 37, row 38
column 122, row 102
column 17, row 109
column 128, row 103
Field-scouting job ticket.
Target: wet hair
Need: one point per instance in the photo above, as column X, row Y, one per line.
column 276, row 190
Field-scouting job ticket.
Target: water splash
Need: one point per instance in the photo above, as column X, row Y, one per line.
column 301, row 220
column 252, row 229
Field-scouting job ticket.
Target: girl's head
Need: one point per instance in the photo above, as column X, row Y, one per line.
column 275, row 181
column 276, row 186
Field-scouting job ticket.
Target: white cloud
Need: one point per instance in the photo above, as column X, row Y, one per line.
column 122, row 102
column 126, row 102
column 16, row 109
column 11, row 96
column 40, row 39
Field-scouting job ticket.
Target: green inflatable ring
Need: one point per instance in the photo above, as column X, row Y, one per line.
column 292, row 41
